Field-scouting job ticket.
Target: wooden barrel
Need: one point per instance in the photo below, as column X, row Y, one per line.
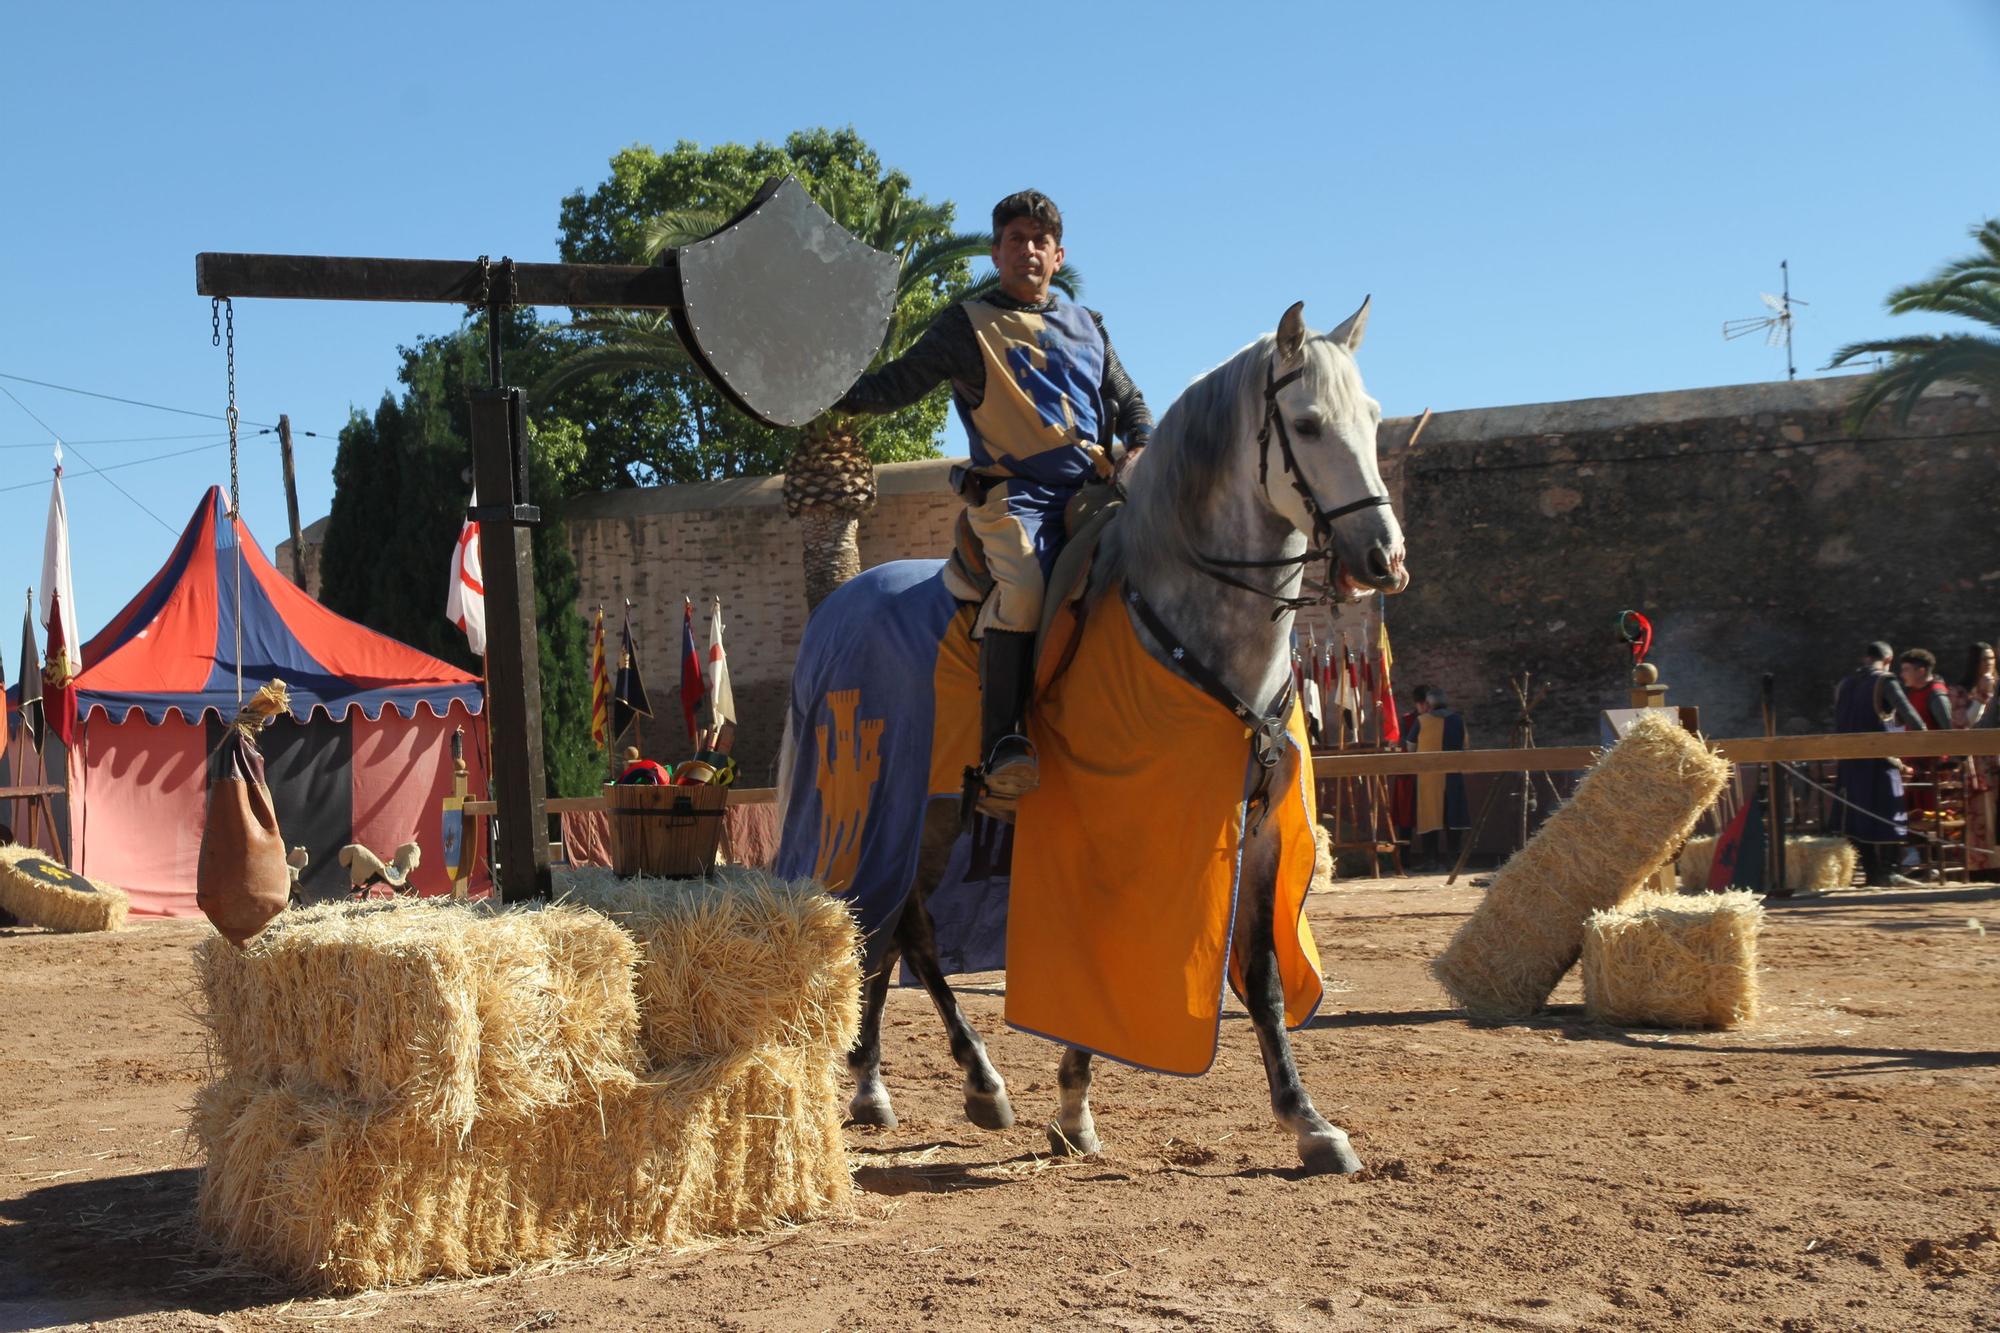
column 669, row 832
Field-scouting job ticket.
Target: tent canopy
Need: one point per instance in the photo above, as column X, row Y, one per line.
column 174, row 648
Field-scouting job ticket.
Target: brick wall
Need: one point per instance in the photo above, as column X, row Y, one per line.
column 733, row 539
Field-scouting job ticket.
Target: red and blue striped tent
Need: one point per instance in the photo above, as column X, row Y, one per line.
column 364, row 757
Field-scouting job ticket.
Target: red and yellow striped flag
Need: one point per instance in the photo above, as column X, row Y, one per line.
column 600, row 687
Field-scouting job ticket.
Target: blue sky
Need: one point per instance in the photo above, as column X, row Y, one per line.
column 1547, row 201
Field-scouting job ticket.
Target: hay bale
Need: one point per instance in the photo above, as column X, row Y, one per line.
column 1812, row 865
column 325, row 1192
column 41, row 891
column 1322, row 879
column 1695, row 861
column 1673, row 961
column 441, row 1011
column 733, row 962
column 404, row 1153
column 1818, row 865
column 1627, row 815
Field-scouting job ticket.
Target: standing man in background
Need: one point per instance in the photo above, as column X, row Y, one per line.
column 1871, row 812
column 1442, row 815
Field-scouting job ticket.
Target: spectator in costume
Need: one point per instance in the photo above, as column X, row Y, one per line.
column 1971, row 702
column 1931, row 698
column 1871, row 812
column 1442, row 815
column 1041, row 394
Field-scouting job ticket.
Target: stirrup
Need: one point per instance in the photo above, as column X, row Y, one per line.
column 1011, row 770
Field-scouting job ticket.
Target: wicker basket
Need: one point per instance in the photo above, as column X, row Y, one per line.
column 670, row 832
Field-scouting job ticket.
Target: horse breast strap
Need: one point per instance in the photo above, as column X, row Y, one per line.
column 1269, row 730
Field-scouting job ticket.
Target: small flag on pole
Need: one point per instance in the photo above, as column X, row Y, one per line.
column 721, row 699
column 65, row 655
column 465, row 599
column 600, row 687
column 628, row 694
column 1385, row 692
column 691, row 686
column 31, row 677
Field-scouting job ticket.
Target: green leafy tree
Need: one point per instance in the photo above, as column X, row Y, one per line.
column 1968, row 288
column 691, row 192
column 399, row 501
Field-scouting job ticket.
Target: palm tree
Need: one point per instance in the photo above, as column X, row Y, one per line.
column 829, row 476
column 1967, row 287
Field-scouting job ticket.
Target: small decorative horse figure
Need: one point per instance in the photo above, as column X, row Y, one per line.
column 1264, row 467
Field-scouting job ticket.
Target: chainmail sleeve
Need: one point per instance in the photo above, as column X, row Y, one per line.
column 947, row 350
column 1130, row 419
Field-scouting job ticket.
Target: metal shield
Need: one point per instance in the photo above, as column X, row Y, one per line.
column 782, row 308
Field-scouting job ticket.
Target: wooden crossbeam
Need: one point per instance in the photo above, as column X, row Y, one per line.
column 447, row 281
column 1740, row 750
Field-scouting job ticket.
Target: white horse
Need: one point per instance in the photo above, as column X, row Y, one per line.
column 1261, row 470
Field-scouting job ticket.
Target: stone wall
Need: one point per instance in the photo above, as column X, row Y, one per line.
column 1753, row 530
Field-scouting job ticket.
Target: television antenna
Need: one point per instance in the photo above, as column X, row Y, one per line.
column 1777, row 325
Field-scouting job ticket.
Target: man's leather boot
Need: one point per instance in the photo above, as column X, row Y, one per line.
column 1006, row 673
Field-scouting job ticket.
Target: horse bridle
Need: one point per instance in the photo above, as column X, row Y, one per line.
column 1322, row 519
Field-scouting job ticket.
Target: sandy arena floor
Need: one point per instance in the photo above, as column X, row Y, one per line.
column 1836, row 1167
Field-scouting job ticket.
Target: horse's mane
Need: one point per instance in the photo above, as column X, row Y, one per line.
column 1185, row 462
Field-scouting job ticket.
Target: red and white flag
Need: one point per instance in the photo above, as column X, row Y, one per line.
column 65, row 646
column 692, row 688
column 719, row 700
column 465, row 602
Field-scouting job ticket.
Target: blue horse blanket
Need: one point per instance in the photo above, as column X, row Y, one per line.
column 884, row 721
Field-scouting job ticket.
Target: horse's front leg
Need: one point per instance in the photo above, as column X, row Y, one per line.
column 1323, row 1146
column 871, row 1099
column 1074, row 1131
column 986, row 1103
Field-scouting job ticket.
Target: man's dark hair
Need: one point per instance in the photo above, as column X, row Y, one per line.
column 1420, row 695
column 1922, row 657
column 1027, row 204
column 1880, row 651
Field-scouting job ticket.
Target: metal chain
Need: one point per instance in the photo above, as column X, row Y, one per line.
column 222, row 329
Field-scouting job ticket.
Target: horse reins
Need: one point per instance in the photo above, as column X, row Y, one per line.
column 1322, row 519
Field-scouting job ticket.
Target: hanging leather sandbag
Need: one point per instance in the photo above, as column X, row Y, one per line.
column 241, row 881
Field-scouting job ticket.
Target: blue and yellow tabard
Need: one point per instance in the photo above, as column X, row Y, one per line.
column 1040, row 419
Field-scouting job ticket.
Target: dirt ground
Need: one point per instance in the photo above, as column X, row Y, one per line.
column 1832, row 1168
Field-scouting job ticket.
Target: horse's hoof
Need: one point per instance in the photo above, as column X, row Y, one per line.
column 1328, row 1155
column 1080, row 1144
column 874, row 1111
column 989, row 1110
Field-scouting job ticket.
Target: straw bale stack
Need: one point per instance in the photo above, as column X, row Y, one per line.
column 1627, row 815
column 1673, row 960
column 1322, row 878
column 1812, row 865
column 40, row 891
column 464, row 1124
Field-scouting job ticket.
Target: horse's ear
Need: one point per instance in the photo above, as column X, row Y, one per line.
column 1348, row 335
column 1292, row 331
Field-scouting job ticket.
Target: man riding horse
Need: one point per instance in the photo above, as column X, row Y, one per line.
column 1041, row 394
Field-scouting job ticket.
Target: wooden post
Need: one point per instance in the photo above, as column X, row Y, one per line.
column 513, row 660
column 292, row 500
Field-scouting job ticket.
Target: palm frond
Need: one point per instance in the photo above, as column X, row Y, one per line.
column 1919, row 363
column 677, row 227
